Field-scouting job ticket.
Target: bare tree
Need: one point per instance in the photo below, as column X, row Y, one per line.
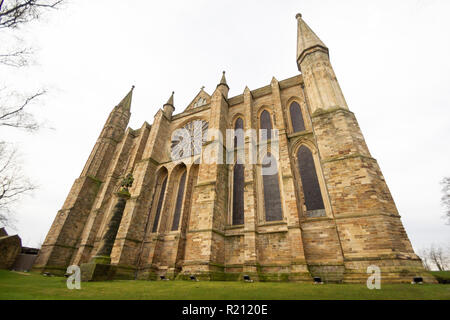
column 438, row 257
column 14, row 13
column 445, row 200
column 424, row 255
column 18, row 57
column 14, row 106
column 13, row 183
column 435, row 257
column 13, row 110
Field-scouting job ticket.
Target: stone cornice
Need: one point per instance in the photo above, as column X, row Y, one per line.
column 310, row 50
column 300, row 134
column 350, row 156
column 321, row 112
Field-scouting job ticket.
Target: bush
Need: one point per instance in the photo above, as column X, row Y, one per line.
column 442, row 276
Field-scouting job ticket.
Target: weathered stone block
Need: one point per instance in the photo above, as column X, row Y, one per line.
column 10, row 247
column 93, row 271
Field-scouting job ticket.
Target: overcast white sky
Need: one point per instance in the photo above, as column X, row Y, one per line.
column 391, row 59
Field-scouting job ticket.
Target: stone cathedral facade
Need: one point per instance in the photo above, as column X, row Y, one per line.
column 327, row 211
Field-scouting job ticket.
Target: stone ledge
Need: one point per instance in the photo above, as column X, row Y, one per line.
column 328, row 264
column 340, row 216
column 206, row 183
column 350, row 156
column 208, row 230
column 300, row 134
column 150, row 159
column 321, row 112
column 272, row 223
column 309, row 51
column 240, row 226
column 97, row 181
column 393, row 256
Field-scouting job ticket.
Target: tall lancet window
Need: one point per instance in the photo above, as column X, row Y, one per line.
column 272, row 199
column 238, row 194
column 296, row 117
column 311, row 188
column 239, row 133
column 159, row 207
column 179, row 202
column 265, row 123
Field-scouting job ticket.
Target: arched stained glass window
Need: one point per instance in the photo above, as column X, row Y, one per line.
column 296, row 117
column 159, row 207
column 272, row 200
column 179, row 202
column 265, row 123
column 238, row 194
column 311, row 188
column 239, row 133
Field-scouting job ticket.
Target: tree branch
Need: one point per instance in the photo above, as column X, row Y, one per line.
column 13, row 184
column 445, row 200
column 17, row 117
column 18, row 12
column 18, row 58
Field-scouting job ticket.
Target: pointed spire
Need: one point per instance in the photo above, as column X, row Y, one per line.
column 168, row 107
column 275, row 84
column 126, row 102
column 247, row 93
column 170, row 101
column 223, row 81
column 306, row 39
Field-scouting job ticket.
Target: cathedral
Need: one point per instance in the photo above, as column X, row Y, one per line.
column 148, row 205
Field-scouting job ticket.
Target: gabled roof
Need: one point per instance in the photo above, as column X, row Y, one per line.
column 201, row 99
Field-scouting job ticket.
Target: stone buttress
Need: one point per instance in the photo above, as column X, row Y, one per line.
column 369, row 230
column 63, row 239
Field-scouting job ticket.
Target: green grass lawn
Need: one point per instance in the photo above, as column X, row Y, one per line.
column 35, row 286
